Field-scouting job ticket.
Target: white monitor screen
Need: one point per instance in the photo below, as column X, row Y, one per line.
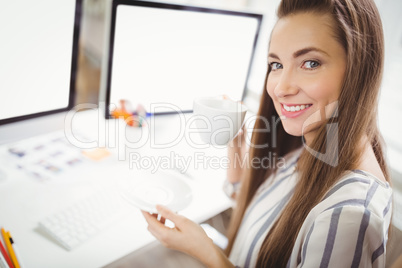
column 171, row 54
column 36, row 51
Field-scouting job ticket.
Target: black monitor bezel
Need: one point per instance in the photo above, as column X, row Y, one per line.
column 73, row 74
column 111, row 33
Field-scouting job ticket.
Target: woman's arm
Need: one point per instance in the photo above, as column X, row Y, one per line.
column 237, row 150
column 186, row 236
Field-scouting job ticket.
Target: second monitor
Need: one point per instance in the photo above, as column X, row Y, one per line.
column 164, row 53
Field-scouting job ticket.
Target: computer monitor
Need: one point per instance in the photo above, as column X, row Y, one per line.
column 38, row 57
column 167, row 53
column 38, row 63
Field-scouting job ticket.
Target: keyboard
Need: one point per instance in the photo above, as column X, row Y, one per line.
column 83, row 220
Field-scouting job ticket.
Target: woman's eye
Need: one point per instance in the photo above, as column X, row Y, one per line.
column 310, row 64
column 276, row 66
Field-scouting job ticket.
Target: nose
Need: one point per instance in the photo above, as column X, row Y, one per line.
column 286, row 85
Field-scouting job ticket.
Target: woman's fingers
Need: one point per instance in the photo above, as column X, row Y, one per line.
column 187, row 236
column 169, row 237
column 152, row 219
column 170, row 215
column 157, row 228
column 158, row 217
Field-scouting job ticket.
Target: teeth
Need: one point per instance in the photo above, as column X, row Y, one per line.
column 296, row 108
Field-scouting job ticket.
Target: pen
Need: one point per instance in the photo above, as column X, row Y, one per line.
column 10, row 248
column 16, row 251
column 3, row 250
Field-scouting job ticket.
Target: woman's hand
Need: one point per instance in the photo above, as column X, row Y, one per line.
column 186, row 236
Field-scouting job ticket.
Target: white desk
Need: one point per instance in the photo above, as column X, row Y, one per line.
column 24, row 201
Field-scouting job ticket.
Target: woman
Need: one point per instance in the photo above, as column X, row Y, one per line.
column 330, row 205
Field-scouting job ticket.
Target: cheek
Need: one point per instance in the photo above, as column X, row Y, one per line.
column 324, row 91
column 270, row 87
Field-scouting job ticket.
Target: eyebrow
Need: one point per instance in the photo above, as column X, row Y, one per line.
column 300, row 52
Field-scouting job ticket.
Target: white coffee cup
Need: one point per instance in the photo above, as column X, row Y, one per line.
column 218, row 120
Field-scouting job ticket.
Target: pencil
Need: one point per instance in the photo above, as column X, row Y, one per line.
column 3, row 250
column 10, row 248
column 16, row 250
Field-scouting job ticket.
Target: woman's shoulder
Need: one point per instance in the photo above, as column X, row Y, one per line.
column 358, row 188
column 349, row 233
column 357, row 209
column 365, row 183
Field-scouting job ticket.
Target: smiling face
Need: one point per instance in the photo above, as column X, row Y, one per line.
column 307, row 70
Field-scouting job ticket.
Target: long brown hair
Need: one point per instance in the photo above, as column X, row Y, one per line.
column 357, row 26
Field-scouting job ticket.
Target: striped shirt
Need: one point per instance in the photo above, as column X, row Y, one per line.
column 348, row 228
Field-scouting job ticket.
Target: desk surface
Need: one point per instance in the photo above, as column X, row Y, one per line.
column 25, row 201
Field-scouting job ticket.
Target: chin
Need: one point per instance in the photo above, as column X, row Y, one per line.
column 292, row 129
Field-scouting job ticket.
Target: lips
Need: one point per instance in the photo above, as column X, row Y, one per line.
column 294, row 110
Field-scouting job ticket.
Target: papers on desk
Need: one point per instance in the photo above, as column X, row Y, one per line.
column 49, row 156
